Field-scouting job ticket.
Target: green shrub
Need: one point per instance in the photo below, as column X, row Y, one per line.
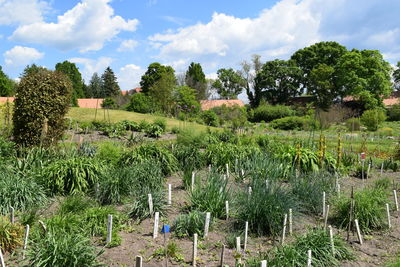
column 269, row 113
column 6, row 147
column 140, row 103
column 19, row 192
column 42, row 99
column 210, row 196
column 190, row 157
column 140, row 207
column 292, row 123
column 210, row 118
column 10, row 234
column 94, row 220
column 265, row 207
column 189, row 224
column 393, row 113
column 162, row 123
column 373, row 118
column 309, row 188
column 70, row 176
column 234, row 116
column 318, row 241
column 369, row 209
column 154, row 131
column 353, row 124
column 75, row 204
column 60, row 249
column 221, row 154
column 175, row 130
column 109, row 152
column 385, row 131
column 109, row 103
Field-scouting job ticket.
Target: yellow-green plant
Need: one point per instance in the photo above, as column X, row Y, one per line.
column 10, row 234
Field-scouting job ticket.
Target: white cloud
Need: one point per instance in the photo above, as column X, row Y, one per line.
column 127, row 45
column 22, row 11
column 21, row 56
column 91, row 66
column 86, row 27
column 129, row 76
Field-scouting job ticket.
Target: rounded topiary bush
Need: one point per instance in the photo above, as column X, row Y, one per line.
column 269, row 113
column 373, row 118
column 42, row 100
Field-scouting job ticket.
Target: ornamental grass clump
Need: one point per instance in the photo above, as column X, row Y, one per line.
column 10, row 234
column 210, row 195
column 369, row 209
column 316, row 240
column 189, row 224
column 265, row 207
column 140, row 209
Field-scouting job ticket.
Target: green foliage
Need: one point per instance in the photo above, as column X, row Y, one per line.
column 161, row 93
column 269, row 113
column 140, row 208
column 369, row 209
column 109, row 103
column 72, row 72
column 229, row 83
column 109, row 152
column 277, row 82
column 393, row 113
column 7, row 85
column 154, row 131
column 42, row 100
column 210, row 118
column 185, row 98
column 189, row 224
column 318, row 241
column 19, row 192
column 10, row 235
column 140, row 103
column 210, row 195
column 75, row 204
column 95, row 87
column 110, row 84
column 265, row 207
column 71, row 176
column 154, row 73
column 373, row 118
column 294, row 123
column 234, row 116
column 309, row 188
column 6, row 147
column 60, row 249
column 353, row 124
column 196, row 79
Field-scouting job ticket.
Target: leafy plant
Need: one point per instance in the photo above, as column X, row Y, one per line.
column 10, row 234
column 269, row 113
column 140, row 207
column 189, row 224
column 75, row 204
column 373, row 118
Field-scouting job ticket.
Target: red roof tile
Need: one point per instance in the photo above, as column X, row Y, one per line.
column 209, row 104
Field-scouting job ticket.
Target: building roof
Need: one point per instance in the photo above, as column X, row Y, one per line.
column 209, row 104
column 3, row 100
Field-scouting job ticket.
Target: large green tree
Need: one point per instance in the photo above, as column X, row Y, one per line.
column 110, row 84
column 249, row 72
column 196, row 79
column 72, row 72
column 317, row 62
column 396, row 77
column 161, row 92
column 365, row 76
column 277, row 82
column 95, row 87
column 185, row 99
column 7, row 85
column 154, row 73
column 229, row 83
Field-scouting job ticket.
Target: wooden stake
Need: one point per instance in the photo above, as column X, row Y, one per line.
column 395, row 200
column 246, row 229
column 381, row 169
column 169, row 194
column 25, row 240
column 139, row 261
column 284, row 230
column 242, row 171
column 155, row 228
column 358, row 232
column 250, row 190
column 264, row 263
column 309, row 258
column 221, row 262
column 207, row 224
column 12, row 215
column 351, row 213
column 326, row 216
column 209, row 168
column 290, row 222
column 2, row 259
column 192, row 184
column 323, row 204
column 338, row 190
column 238, row 247
column 227, row 170
column 331, row 239
column 368, row 170
column 150, row 200
column 194, row 256
column 388, row 215
column 109, row 229
column 227, row 209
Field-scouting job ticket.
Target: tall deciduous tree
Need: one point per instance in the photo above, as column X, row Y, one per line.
column 196, row 79
column 229, row 84
column 95, row 87
column 154, row 72
column 248, row 72
column 72, row 72
column 396, row 77
column 110, row 83
column 277, row 82
column 365, row 75
column 7, row 85
column 161, row 92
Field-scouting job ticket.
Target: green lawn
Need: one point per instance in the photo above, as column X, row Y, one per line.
column 87, row 114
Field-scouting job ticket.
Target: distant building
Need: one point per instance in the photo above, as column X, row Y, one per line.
column 82, row 102
column 209, row 104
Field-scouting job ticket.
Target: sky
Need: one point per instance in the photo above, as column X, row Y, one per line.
column 128, row 35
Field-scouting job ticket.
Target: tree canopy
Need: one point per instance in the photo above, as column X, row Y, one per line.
column 161, row 92
column 7, row 85
column 109, row 84
column 229, row 83
column 196, row 79
column 72, row 72
column 396, row 77
column 95, row 87
column 154, row 73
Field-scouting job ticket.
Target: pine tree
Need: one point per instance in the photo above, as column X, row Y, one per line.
column 196, row 79
column 95, row 87
column 110, row 84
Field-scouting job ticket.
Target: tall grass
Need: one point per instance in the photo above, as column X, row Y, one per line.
column 189, row 224
column 10, row 234
column 140, row 208
column 265, row 207
column 210, row 195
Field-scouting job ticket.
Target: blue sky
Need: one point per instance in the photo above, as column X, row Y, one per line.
column 130, row 34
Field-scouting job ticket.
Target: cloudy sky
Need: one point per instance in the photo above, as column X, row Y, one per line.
column 128, row 35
